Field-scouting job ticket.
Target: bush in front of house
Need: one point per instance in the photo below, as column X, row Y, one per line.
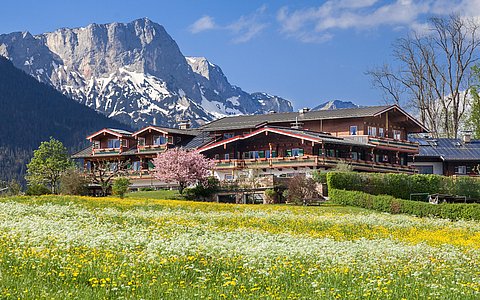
column 203, row 191
column 403, row 185
column 301, row 190
column 389, row 204
column 73, row 182
column 120, row 186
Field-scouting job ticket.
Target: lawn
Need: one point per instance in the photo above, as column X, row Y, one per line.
column 59, row 247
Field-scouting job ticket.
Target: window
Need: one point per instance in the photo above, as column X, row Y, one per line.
column 159, row 140
column 136, row 166
column 372, row 131
column 124, row 143
column 461, row 170
column 141, row 141
column 229, row 177
column 297, row 152
column 170, row 139
column 96, row 144
column 424, row 169
column 113, row 143
column 354, row 155
column 228, row 135
column 381, row 132
column 227, row 156
column 151, row 166
column 353, row 130
column 113, row 166
column 217, row 156
column 397, row 134
column 261, row 154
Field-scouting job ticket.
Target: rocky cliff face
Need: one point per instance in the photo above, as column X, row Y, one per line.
column 133, row 72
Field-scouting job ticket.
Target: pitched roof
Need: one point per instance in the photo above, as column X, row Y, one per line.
column 449, row 149
column 190, row 132
column 202, row 139
column 255, row 121
column 316, row 137
column 112, row 131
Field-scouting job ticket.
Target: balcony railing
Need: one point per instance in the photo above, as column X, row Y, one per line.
column 106, row 151
column 152, row 148
column 311, row 161
column 401, row 145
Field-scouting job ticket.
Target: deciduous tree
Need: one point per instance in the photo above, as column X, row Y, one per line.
column 434, row 75
column 182, row 167
column 49, row 161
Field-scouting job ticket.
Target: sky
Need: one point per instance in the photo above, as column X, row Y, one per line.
column 306, row 51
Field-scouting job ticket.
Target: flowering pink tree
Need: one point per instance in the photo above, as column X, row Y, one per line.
column 181, row 166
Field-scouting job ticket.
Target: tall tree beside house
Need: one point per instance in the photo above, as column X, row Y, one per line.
column 474, row 118
column 434, row 72
column 183, row 167
column 48, row 163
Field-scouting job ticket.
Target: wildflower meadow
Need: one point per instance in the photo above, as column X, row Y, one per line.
column 65, row 247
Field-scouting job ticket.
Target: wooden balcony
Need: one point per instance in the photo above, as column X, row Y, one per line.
column 152, row 148
column 106, row 151
column 311, row 161
column 386, row 143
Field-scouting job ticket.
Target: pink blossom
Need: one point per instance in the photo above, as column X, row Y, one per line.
column 181, row 166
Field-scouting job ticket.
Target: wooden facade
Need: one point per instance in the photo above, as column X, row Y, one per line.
column 372, row 139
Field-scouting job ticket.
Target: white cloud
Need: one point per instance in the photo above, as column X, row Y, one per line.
column 319, row 22
column 203, row 24
column 243, row 29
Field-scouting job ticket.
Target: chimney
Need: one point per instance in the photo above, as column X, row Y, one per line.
column 304, row 110
column 467, row 137
column 184, row 124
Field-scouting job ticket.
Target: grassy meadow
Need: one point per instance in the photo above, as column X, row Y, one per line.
column 65, row 247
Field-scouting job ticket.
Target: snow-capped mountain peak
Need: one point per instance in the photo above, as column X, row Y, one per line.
column 133, row 72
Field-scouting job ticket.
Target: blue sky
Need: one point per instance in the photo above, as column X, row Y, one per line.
column 305, row 51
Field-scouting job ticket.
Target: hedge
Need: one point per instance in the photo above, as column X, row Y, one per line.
column 402, row 185
column 389, row 204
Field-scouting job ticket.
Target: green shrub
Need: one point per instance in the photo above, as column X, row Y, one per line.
column 203, row 191
column 393, row 205
column 270, row 196
column 73, row 182
column 402, row 186
column 37, row 190
column 120, row 186
column 320, row 177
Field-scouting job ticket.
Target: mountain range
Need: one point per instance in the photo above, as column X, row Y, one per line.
column 134, row 73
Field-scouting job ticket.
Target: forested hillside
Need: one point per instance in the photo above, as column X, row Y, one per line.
column 31, row 112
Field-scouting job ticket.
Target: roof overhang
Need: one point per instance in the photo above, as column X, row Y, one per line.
column 257, row 132
column 103, row 131
column 409, row 117
column 150, row 128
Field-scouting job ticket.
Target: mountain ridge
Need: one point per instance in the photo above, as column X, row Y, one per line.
column 133, row 72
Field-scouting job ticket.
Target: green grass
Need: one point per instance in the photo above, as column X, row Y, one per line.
column 141, row 247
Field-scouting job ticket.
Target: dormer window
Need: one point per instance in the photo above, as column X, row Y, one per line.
column 113, row 143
